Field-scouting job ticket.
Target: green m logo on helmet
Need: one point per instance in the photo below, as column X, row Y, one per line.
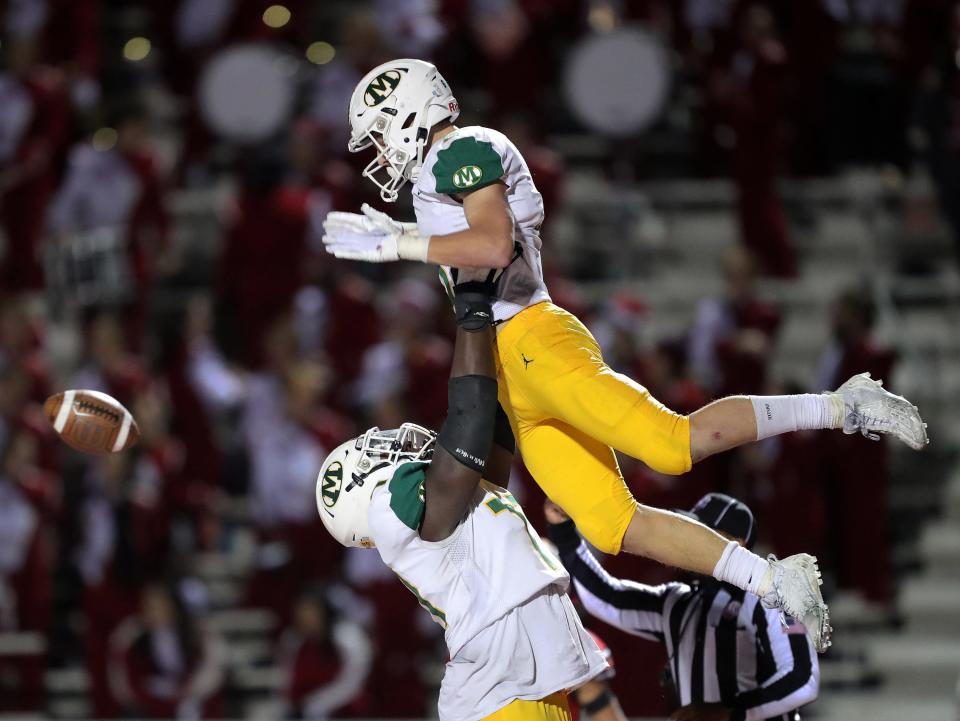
column 381, row 87
column 467, row 176
column 330, row 485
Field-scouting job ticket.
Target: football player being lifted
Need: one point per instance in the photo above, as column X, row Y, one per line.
column 463, row 546
column 477, row 207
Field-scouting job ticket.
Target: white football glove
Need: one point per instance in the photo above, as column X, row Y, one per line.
column 373, row 237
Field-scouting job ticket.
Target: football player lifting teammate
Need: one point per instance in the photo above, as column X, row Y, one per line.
column 477, row 208
column 435, row 507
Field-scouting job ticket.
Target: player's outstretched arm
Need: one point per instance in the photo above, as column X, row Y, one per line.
column 488, row 242
column 375, row 237
column 466, row 436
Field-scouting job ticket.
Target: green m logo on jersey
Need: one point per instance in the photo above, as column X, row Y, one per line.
column 381, row 87
column 330, row 485
column 467, row 176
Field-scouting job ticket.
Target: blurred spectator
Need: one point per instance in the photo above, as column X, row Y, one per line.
column 21, row 345
column 666, row 373
column 403, row 378
column 747, row 90
column 205, row 394
column 108, row 365
column 316, row 163
column 113, row 192
column 20, row 412
column 856, row 475
column 125, row 543
column 29, row 504
column 361, row 48
column 354, row 326
column 162, row 665
column 546, row 166
column 34, row 118
column 266, row 247
column 326, row 661
column 865, row 106
column 189, row 500
column 509, row 63
column 938, row 115
column 287, row 433
column 411, row 29
column 73, row 42
column 401, row 636
column 732, row 337
column 620, row 326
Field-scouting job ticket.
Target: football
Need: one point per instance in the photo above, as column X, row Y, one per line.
column 91, row 421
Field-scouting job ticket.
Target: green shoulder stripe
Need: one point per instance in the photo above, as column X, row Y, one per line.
column 467, row 164
column 406, row 493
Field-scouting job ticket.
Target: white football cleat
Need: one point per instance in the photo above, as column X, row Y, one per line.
column 871, row 410
column 793, row 586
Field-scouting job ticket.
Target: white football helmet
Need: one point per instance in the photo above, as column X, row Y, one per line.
column 393, row 109
column 355, row 468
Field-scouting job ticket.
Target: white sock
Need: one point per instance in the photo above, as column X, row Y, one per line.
column 783, row 414
column 740, row 567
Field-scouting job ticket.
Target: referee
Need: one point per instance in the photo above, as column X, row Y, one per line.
column 730, row 659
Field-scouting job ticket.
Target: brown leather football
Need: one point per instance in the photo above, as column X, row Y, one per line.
column 91, row 421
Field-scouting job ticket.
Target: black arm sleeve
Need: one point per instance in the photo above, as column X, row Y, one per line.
column 464, row 442
column 467, row 433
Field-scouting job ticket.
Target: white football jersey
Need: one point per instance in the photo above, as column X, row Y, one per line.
column 497, row 591
column 468, row 159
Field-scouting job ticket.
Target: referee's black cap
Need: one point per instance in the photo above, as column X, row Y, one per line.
column 726, row 514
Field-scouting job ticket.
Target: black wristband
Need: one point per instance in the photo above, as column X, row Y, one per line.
column 473, row 305
column 467, row 433
column 502, row 433
column 599, row 703
column 564, row 535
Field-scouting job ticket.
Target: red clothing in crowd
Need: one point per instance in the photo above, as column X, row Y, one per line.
column 34, row 114
column 29, row 505
column 354, row 325
column 262, row 266
column 856, row 475
column 154, row 676
column 126, row 541
column 72, row 37
column 744, row 370
column 118, row 191
column 325, row 675
column 757, row 122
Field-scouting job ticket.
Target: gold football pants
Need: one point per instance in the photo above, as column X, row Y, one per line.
column 568, row 410
column 552, row 708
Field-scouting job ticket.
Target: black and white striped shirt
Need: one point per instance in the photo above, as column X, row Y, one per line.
column 723, row 645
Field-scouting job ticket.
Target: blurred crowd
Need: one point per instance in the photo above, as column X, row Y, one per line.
column 248, row 353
